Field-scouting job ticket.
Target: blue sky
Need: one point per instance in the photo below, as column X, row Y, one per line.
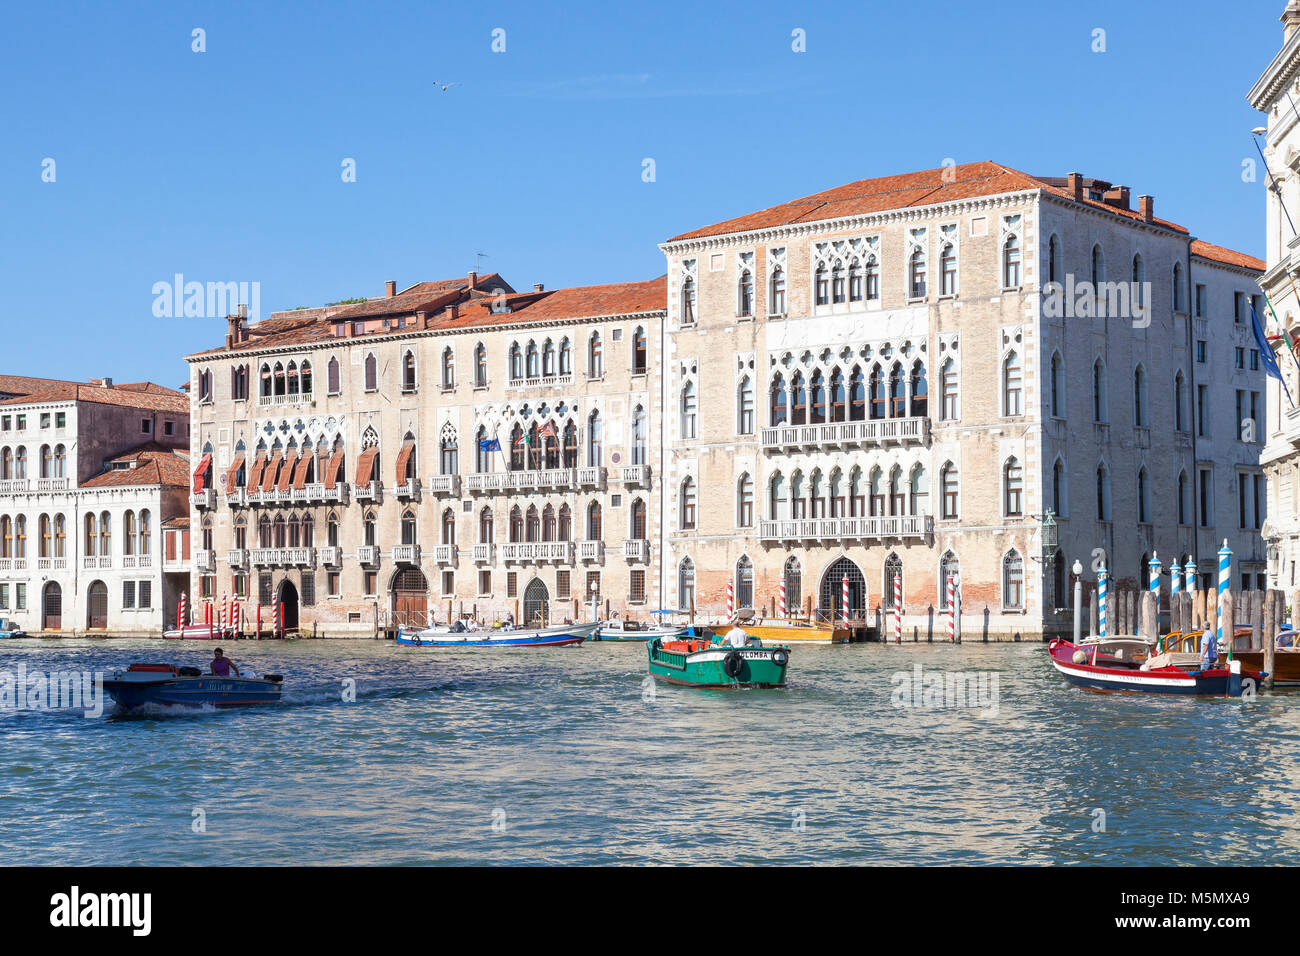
column 225, row 165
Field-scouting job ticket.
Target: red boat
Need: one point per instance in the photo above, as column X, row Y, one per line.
column 1127, row 664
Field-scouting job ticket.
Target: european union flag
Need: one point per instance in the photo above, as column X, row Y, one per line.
column 489, row 444
column 1266, row 353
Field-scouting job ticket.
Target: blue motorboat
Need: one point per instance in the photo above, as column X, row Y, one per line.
column 165, row 685
column 560, row 636
column 10, row 629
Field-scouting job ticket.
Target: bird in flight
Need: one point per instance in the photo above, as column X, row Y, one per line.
column 445, row 86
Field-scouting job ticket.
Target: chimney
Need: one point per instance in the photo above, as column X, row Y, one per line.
column 1147, row 208
column 473, row 279
column 1117, row 196
column 106, row 382
column 538, row 287
column 1074, row 183
column 390, row 288
column 1290, row 19
column 455, row 308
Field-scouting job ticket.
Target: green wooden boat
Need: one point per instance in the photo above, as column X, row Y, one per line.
column 701, row 663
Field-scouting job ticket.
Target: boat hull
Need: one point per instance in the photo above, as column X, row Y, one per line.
column 1286, row 665
column 618, row 634
column 548, row 637
column 1218, row 682
column 719, row 666
column 795, row 632
column 193, row 692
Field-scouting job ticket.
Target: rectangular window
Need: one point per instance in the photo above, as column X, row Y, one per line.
column 144, row 595
column 484, row 583
column 1206, row 496
column 1240, row 357
column 1200, row 300
column 45, row 419
column 1203, row 410
column 144, row 426
column 169, row 428
column 332, row 583
column 449, row 583
column 6, row 423
column 4, row 597
column 512, row 584
column 1200, row 351
column 264, row 588
column 636, row 587
column 240, row 584
column 1238, row 307
column 208, row 585
column 60, row 419
column 22, row 422
column 593, row 585
column 372, row 584
column 1254, row 360
column 308, row 589
column 20, row 597
column 562, row 585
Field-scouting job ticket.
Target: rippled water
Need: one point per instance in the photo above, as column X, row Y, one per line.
column 560, row 746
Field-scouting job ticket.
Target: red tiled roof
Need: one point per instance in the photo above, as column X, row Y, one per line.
column 924, row 188
column 180, row 521
column 154, row 465
column 1207, row 250
column 152, row 397
column 579, row 302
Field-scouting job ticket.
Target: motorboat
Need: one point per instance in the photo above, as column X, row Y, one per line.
column 1130, row 663
column 559, row 636
column 700, row 662
column 167, row 685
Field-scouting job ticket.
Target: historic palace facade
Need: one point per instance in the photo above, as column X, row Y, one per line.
column 968, row 371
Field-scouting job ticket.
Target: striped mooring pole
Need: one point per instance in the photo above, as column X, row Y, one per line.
column 731, row 599
column 1101, row 601
column 952, row 610
column 844, row 598
column 782, row 593
column 1225, row 575
column 898, row 608
column 1154, row 580
column 1189, row 572
column 180, row 613
column 1175, row 577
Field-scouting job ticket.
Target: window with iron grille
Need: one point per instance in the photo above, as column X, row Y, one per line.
column 512, row 584
column 264, row 587
column 562, row 585
column 636, row 587
column 144, row 595
column 128, row 594
column 308, row 588
column 593, row 585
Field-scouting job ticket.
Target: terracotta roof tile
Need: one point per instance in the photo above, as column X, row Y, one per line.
column 154, row 465
column 154, row 398
column 578, row 302
column 1207, row 250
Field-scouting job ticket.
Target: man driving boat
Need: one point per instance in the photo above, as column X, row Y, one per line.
column 221, row 665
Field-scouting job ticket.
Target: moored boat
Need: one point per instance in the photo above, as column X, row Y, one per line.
column 622, row 630
column 795, row 630
column 170, row 686
column 560, row 636
column 697, row 662
column 1129, row 664
column 197, row 632
column 1286, row 657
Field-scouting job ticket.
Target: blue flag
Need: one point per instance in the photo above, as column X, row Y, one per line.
column 489, row 444
column 1266, row 353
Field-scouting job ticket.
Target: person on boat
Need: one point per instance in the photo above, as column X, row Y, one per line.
column 736, row 637
column 1286, row 638
column 221, row 665
column 1209, row 647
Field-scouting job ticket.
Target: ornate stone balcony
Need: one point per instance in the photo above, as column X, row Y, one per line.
column 879, row 528
column 207, row 498
column 635, row 475
column 591, row 552
column 203, row 561
column 636, row 549
column 444, row 554
column 238, row 498
column 14, row 486
column 237, row 557
column 537, row 552
column 541, row 381
column 863, row 434
column 13, row 564
column 295, row 398
column 292, row 557
column 368, row 556
column 484, row 553
column 406, row 554
column 559, row 479
column 370, row 491
column 410, row 491
column 445, row 485
column 63, row 484
column 331, row 557
column 591, row 477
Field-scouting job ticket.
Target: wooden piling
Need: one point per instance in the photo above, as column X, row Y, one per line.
column 1150, row 628
column 1228, row 619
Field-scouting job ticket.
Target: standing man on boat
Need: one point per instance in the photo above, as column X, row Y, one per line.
column 1209, row 647
column 736, row 637
column 222, row 665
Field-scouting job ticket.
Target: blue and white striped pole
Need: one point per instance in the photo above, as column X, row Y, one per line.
column 1225, row 574
column 1189, row 571
column 1154, row 566
column 1101, row 601
column 1176, row 578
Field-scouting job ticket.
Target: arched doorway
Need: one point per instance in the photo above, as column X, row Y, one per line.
column 410, row 593
column 52, row 607
column 537, row 604
column 97, row 606
column 830, row 596
column 288, row 599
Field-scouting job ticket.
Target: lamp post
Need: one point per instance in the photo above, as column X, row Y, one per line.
column 1078, row 602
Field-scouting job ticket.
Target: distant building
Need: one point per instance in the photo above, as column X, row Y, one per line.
column 1277, row 94
column 89, row 474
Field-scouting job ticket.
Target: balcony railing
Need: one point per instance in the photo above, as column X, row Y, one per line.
column 53, row 484
column 13, row 564
column 406, row 554
column 368, row 555
column 316, row 491
column 294, row 398
column 203, row 560
column 879, row 431
column 445, row 485
column 90, row 562
column 535, row 552
column 409, row 491
column 331, row 557
column 484, row 553
column 444, row 553
column 238, row 498
column 635, row 475
column 370, row 491
column 303, row 557
column 534, row 381
column 591, row 552
column 14, row 486
column 636, row 549
column 838, row 529
column 591, row 477
column 525, row 481
column 237, row 557
column 207, row 498
column 51, row 564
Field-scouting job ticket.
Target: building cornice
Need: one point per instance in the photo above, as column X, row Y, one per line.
column 1281, row 70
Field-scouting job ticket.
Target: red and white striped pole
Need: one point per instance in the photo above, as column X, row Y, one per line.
column 952, row 612
column 180, row 614
column 782, row 592
column 844, row 598
column 731, row 599
column 898, row 609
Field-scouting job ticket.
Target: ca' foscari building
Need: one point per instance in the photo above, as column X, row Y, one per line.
column 968, row 372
